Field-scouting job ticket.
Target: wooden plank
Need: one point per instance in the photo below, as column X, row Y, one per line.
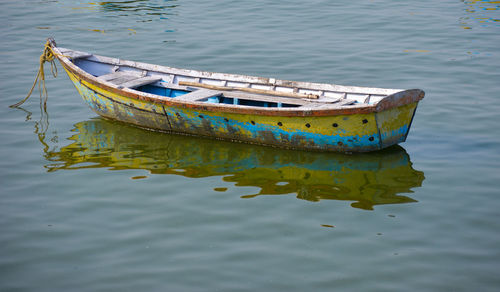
column 345, row 102
column 79, row 55
column 229, row 94
column 198, row 95
column 124, row 79
column 251, row 90
column 114, row 75
column 324, row 99
column 266, row 98
column 317, row 105
column 314, row 106
column 140, row 81
column 72, row 54
column 244, row 95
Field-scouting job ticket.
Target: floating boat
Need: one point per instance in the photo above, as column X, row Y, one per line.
column 267, row 111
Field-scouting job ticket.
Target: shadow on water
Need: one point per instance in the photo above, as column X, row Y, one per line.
column 366, row 179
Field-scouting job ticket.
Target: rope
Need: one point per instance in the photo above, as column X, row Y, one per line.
column 48, row 55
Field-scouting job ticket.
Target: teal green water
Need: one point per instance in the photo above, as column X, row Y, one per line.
column 94, row 205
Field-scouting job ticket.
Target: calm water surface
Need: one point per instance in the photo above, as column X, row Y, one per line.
column 93, row 205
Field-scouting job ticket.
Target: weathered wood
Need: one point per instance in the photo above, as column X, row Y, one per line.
column 367, row 99
column 345, row 102
column 251, row 90
column 123, row 79
column 266, row 98
column 198, row 95
column 174, row 86
column 340, row 103
column 140, row 81
column 255, row 97
column 239, row 78
column 74, row 54
column 115, row 75
column 129, row 79
column 328, row 100
column 244, row 78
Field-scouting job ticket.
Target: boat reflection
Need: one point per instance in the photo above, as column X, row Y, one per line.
column 366, row 179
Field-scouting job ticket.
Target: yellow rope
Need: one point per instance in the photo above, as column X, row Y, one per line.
column 48, row 55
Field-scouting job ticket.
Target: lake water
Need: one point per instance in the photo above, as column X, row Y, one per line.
column 93, row 205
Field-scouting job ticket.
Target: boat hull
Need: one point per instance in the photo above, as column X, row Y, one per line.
column 359, row 132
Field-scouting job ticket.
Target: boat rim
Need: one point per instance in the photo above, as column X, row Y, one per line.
column 397, row 99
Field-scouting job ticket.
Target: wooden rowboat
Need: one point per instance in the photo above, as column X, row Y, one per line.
column 257, row 110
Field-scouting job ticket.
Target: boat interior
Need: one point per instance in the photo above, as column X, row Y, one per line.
column 218, row 88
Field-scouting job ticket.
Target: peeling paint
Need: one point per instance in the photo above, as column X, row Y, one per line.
column 359, row 132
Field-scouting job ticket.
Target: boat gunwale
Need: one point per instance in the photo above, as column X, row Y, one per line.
column 399, row 98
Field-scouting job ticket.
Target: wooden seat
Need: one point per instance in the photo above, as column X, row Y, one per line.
column 115, row 75
column 140, row 81
column 128, row 79
column 199, row 95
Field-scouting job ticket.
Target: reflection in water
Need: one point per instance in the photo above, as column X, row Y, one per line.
column 134, row 11
column 367, row 179
column 138, row 7
column 484, row 12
